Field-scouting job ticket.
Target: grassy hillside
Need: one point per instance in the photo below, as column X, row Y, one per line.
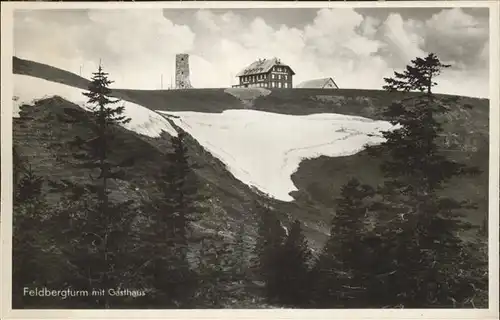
column 41, row 135
column 318, row 180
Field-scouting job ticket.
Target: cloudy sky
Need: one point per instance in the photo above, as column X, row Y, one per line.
column 357, row 47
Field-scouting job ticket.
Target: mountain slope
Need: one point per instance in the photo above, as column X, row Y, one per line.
column 317, row 180
column 41, row 136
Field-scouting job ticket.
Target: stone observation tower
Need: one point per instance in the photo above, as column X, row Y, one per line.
column 182, row 71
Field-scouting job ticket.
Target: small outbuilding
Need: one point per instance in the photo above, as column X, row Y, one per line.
column 323, row 83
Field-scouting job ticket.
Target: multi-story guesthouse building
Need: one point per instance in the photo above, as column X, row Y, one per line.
column 266, row 73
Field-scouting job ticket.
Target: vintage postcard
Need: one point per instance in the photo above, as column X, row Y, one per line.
column 250, row 160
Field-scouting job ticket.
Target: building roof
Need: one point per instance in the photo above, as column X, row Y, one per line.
column 262, row 66
column 317, row 83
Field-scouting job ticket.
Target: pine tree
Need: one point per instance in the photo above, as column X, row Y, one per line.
column 293, row 274
column 165, row 243
column 268, row 250
column 96, row 228
column 340, row 269
column 417, row 225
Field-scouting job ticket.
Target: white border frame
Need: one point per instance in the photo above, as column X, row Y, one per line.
column 492, row 312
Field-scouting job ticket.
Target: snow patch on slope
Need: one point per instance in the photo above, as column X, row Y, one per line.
column 28, row 89
column 264, row 149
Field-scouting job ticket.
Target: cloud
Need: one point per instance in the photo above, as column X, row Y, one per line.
column 401, row 40
column 135, row 46
column 357, row 50
column 369, row 26
column 458, row 37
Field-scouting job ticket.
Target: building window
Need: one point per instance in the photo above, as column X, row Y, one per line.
column 286, row 85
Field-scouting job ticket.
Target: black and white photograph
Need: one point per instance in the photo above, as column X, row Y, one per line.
column 250, row 157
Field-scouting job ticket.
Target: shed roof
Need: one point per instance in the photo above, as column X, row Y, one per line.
column 317, row 83
column 262, row 66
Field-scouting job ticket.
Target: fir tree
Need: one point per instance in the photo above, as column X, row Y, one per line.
column 268, row 250
column 241, row 252
column 223, row 270
column 417, row 225
column 166, row 239
column 214, row 272
column 293, row 274
column 32, row 245
column 96, row 228
column 17, row 166
column 27, row 209
column 340, row 269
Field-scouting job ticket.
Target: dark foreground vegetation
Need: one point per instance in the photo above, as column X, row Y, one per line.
column 394, row 243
